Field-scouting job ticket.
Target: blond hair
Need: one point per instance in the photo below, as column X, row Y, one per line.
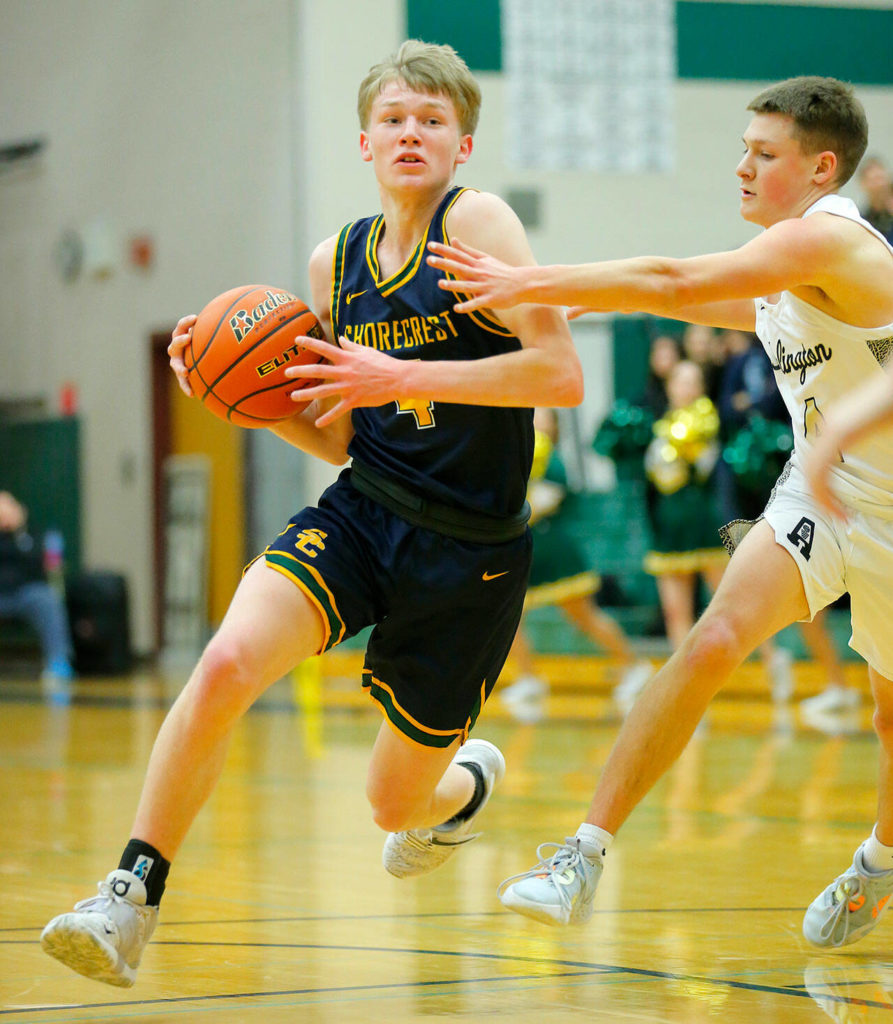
column 425, row 67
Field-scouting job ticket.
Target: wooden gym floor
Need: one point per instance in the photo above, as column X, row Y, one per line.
column 278, row 908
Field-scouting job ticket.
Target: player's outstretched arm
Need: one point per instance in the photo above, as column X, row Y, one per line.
column 714, row 288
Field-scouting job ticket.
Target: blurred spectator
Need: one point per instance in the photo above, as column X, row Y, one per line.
column 25, row 594
column 663, row 354
column 747, row 389
column 877, row 188
column 747, row 383
column 701, row 344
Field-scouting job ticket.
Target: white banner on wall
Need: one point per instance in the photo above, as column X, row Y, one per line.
column 590, row 83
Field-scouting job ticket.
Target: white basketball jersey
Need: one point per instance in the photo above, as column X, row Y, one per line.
column 817, row 360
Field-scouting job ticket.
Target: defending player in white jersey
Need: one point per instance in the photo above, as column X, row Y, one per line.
column 817, row 286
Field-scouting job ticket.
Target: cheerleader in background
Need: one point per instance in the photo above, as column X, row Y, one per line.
column 561, row 576
column 684, row 513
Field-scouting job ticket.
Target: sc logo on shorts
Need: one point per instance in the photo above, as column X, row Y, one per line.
column 310, row 539
column 802, row 537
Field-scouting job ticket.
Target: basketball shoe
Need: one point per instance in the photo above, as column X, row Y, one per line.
column 103, row 937
column 850, row 906
column 634, row 679
column 560, row 889
column 832, row 699
column 780, row 668
column 420, row 850
column 525, row 699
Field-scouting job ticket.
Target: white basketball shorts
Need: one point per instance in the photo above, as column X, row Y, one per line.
column 834, row 557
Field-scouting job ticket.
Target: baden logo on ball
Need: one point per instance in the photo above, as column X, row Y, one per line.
column 241, row 344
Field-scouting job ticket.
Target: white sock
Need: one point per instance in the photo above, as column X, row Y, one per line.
column 876, row 856
column 595, row 839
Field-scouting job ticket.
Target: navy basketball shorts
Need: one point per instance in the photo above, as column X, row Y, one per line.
column 445, row 611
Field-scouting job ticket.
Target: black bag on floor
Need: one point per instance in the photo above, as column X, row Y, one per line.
column 98, row 613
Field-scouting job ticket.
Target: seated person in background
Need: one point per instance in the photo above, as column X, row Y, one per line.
column 26, row 594
column 561, row 576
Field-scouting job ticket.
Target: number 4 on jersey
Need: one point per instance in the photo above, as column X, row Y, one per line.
column 421, row 408
column 813, row 420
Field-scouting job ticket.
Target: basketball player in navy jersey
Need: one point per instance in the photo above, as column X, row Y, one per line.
column 424, row 536
column 817, row 287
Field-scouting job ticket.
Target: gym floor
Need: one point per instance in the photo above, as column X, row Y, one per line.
column 278, row 908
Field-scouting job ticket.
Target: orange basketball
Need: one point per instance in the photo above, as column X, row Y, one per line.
column 241, row 345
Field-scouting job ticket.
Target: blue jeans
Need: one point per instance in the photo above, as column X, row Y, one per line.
column 44, row 610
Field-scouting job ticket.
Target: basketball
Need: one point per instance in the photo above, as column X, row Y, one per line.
column 241, row 345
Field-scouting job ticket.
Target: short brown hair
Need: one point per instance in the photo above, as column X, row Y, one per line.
column 425, row 67
column 826, row 115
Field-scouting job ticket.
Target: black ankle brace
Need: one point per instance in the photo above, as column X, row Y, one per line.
column 477, row 797
column 149, row 866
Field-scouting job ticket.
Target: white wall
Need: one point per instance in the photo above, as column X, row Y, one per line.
column 228, row 132
column 164, row 117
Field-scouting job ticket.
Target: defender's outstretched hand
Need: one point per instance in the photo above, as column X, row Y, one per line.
column 360, row 376
column 490, row 282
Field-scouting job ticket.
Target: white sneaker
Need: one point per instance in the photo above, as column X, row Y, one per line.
column 525, row 688
column 420, row 850
column 781, row 675
column 832, row 698
column 525, row 699
column 833, row 723
column 103, row 937
column 559, row 889
column 850, row 906
column 634, row 679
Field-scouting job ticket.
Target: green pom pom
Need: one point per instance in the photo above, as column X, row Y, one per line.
column 758, row 452
column 625, row 432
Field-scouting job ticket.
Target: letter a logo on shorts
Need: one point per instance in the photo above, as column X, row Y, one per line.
column 802, row 537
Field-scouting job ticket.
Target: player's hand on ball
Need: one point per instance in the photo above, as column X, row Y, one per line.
column 180, row 336
column 361, row 377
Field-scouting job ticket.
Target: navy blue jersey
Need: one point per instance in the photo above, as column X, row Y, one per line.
column 469, row 456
